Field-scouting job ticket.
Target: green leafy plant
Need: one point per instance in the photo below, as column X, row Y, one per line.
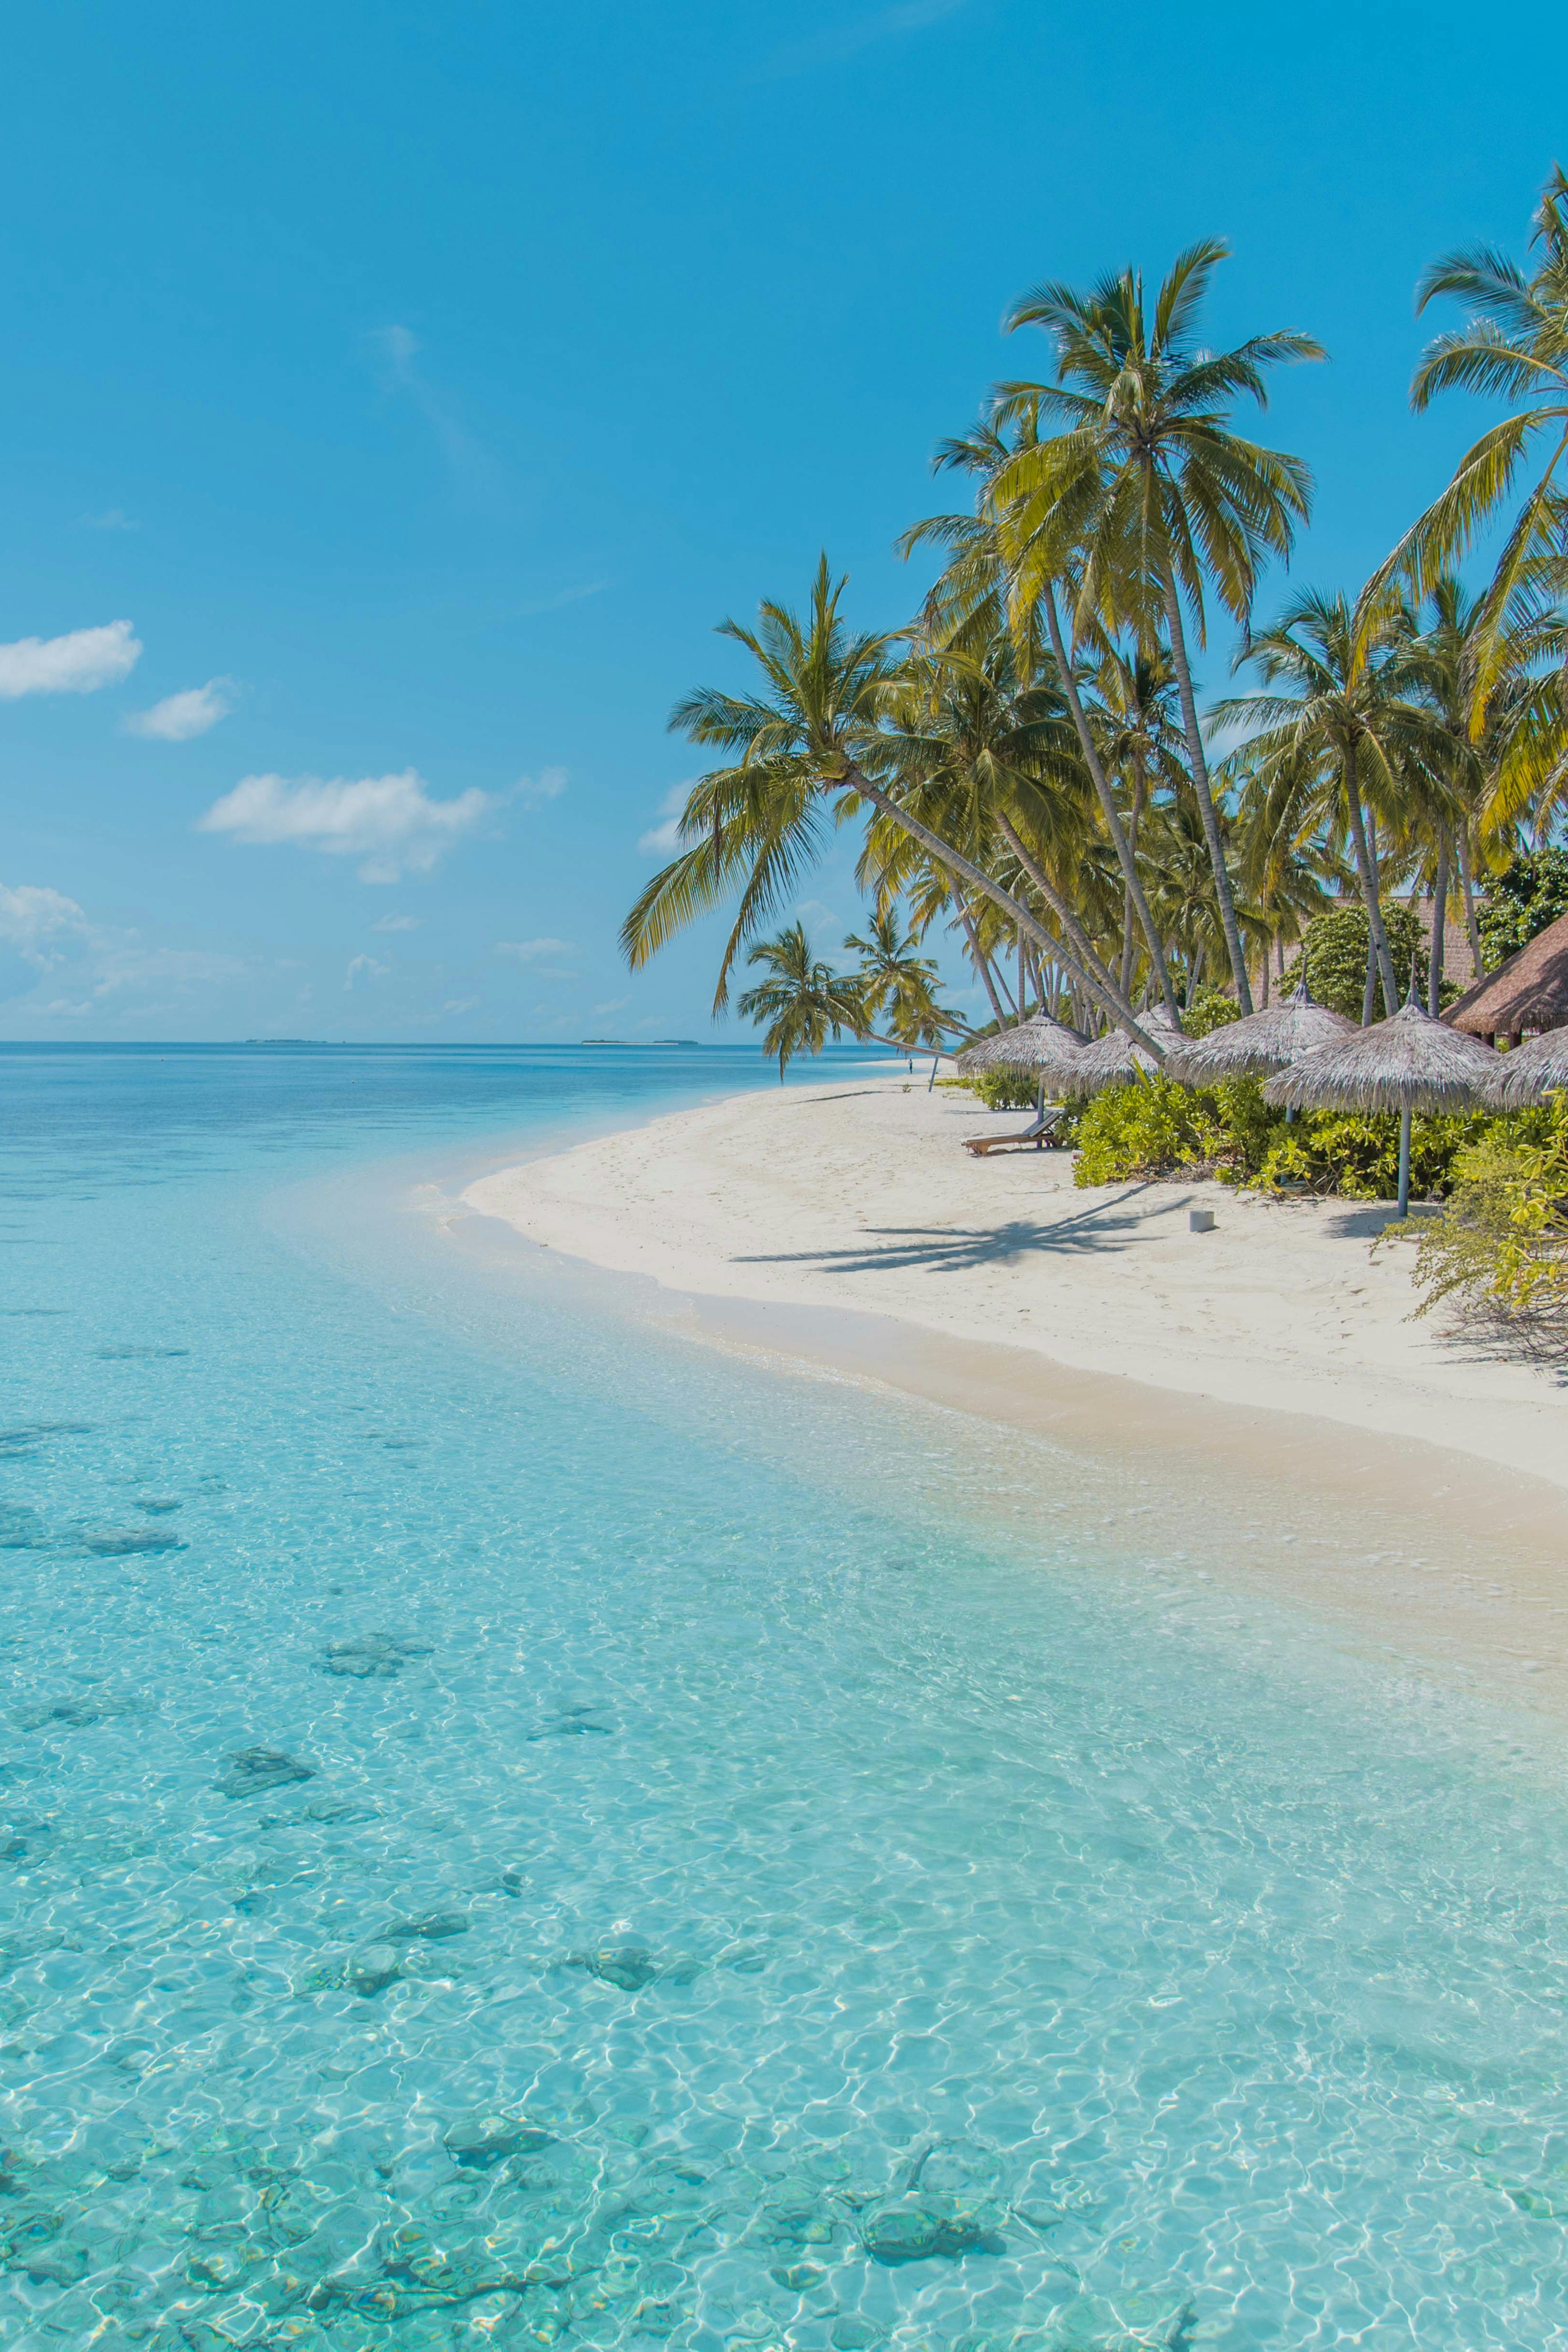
column 1333, row 957
column 1005, row 1089
column 1208, row 1008
column 1530, row 893
column 1500, row 1249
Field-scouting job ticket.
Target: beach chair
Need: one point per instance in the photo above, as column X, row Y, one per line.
column 1046, row 1122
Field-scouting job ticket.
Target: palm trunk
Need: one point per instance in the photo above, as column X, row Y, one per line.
column 1200, row 771
column 1112, row 814
column 1083, row 948
column 1377, row 936
column 1466, row 883
column 1369, row 987
column 1102, row 989
column 1023, row 982
column 1440, row 925
column 978, row 958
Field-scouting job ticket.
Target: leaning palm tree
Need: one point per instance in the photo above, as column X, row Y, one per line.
column 802, row 1000
column 807, row 740
column 1146, row 500
column 1514, row 347
column 967, row 610
column 1332, row 732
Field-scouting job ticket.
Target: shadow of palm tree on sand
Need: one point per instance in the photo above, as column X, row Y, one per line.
column 894, row 1248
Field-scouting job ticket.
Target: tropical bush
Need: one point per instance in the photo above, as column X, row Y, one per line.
column 1229, row 1132
column 1005, row 1089
column 1207, row 1009
column 1333, row 955
column 1530, row 892
column 1500, row 1249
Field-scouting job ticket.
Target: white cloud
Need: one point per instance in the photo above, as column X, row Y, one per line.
column 890, row 24
column 816, row 917
column 397, row 923
column 615, row 1005
column 459, row 1004
column 390, row 822
column 663, row 840
column 78, row 663
column 399, row 347
column 181, row 717
column 366, row 968
column 37, row 923
column 535, row 951
column 548, row 785
column 115, row 518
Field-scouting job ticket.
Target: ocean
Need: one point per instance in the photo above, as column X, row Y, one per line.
column 519, row 1828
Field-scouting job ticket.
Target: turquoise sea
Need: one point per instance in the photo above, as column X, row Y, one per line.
column 519, row 1829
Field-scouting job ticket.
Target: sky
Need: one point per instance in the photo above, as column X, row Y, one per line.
column 396, row 397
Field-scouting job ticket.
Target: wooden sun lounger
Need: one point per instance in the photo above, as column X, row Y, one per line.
column 1045, row 1127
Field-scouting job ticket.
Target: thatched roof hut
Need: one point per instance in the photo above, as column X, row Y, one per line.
column 1529, row 991
column 1261, row 1042
column 1039, row 1044
column 1408, row 1063
column 1532, row 1072
column 1114, row 1060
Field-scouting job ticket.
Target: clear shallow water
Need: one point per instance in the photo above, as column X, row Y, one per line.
column 740, row 1895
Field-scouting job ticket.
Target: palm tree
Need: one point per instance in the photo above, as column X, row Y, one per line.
column 1131, row 720
column 1334, row 733
column 898, row 986
column 798, row 745
column 966, row 611
column 1514, row 347
column 1146, row 497
column 802, row 1000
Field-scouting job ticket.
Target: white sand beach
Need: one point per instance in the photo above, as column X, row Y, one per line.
column 859, row 1196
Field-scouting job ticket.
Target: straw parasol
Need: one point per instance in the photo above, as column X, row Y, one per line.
column 1528, row 990
column 1262, row 1043
column 1532, row 1072
column 1408, row 1063
column 1114, row 1060
column 1039, row 1044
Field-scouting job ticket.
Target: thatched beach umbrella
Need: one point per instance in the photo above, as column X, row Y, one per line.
column 1039, row 1044
column 1528, row 990
column 1114, row 1060
column 1408, row 1063
column 1260, row 1044
column 1532, row 1072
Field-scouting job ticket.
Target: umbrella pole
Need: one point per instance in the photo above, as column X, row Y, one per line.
column 1404, row 1160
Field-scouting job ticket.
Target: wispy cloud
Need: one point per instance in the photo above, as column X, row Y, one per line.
column 562, row 596
column 398, row 348
column 847, row 40
column 365, row 967
column 78, row 663
column 459, row 1004
column 37, row 923
column 615, row 1005
column 390, row 822
column 397, row 923
column 663, row 840
column 548, row 785
column 180, row 718
column 535, row 951
column 816, row 917
column 114, row 519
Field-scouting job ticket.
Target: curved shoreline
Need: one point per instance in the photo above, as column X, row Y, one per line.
column 1403, row 1496
column 858, row 1197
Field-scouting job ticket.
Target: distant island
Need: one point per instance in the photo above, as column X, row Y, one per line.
column 641, row 1041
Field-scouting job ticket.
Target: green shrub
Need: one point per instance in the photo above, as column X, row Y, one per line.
column 1208, row 1008
column 1006, row 1089
column 1334, row 955
column 1159, row 1127
column 1500, row 1249
column 1530, row 892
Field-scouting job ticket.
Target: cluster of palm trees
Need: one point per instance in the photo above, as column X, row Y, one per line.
column 1029, row 758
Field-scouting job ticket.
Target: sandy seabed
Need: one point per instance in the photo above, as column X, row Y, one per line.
column 844, row 1225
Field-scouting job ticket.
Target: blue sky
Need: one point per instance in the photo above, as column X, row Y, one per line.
column 395, row 396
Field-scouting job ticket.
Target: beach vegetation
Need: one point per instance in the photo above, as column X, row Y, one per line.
column 1500, row 1252
column 1530, row 892
column 1029, row 761
column 802, row 1002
